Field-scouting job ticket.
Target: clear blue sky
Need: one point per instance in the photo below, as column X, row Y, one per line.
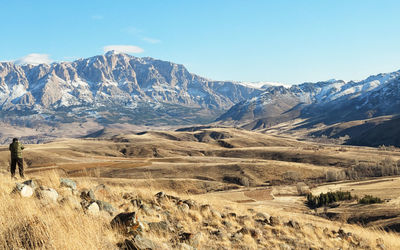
column 289, row 41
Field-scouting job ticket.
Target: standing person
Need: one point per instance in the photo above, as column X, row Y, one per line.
column 16, row 157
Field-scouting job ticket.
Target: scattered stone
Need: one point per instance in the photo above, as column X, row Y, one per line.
column 160, row 195
column 261, row 216
column 227, row 224
column 244, row 230
column 23, row 190
column 93, row 209
column 136, row 202
column 237, row 237
column 274, row 221
column 88, row 195
column 144, row 243
column 215, row 214
column 293, row 224
column 205, row 208
column 68, row 183
column 191, row 203
column 105, row 206
column 256, row 233
column 184, row 207
column 185, row 236
column 47, row 194
column 125, row 222
column 161, row 226
column 30, row 183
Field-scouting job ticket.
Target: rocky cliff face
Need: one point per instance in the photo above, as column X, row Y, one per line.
column 112, row 87
column 329, row 102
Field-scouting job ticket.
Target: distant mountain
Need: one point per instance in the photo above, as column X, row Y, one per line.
column 328, row 102
column 113, row 88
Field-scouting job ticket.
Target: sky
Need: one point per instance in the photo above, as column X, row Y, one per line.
column 286, row 41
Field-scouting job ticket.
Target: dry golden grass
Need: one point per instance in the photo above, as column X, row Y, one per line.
column 190, row 165
column 30, row 223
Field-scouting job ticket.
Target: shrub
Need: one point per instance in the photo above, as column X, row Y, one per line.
column 324, row 199
column 369, row 199
column 335, row 175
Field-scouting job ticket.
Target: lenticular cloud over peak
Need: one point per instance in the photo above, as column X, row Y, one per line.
column 123, row 49
column 34, row 59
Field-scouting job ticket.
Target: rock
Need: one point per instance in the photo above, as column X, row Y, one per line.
column 47, row 194
column 160, row 195
column 256, row 233
column 231, row 215
column 293, row 224
column 237, row 237
column 184, row 246
column 190, row 238
column 184, row 207
column 227, row 224
column 72, row 202
column 191, row 203
column 262, row 216
column 68, row 183
column 93, row 209
column 244, row 231
column 136, row 202
column 274, row 221
column 23, row 190
column 88, row 195
column 30, row 183
column 215, row 214
column 144, row 243
column 205, row 208
column 125, row 222
column 161, row 226
column 105, row 206
column 185, row 236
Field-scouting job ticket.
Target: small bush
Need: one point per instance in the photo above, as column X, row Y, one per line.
column 324, row 199
column 369, row 199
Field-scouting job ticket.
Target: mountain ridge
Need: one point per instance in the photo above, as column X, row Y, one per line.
column 114, row 80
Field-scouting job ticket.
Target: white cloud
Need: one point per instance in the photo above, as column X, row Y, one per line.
column 150, row 40
column 34, row 59
column 123, row 49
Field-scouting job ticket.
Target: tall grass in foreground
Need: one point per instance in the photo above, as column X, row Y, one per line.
column 29, row 223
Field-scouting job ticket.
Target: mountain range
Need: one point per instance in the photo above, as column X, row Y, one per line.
column 114, row 87
column 117, row 88
column 374, row 103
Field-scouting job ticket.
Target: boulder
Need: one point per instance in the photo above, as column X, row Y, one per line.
column 47, row 194
column 93, row 209
column 275, row 221
column 88, row 195
column 184, row 207
column 23, row 190
column 105, row 206
column 68, row 183
column 125, row 222
column 30, row 183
